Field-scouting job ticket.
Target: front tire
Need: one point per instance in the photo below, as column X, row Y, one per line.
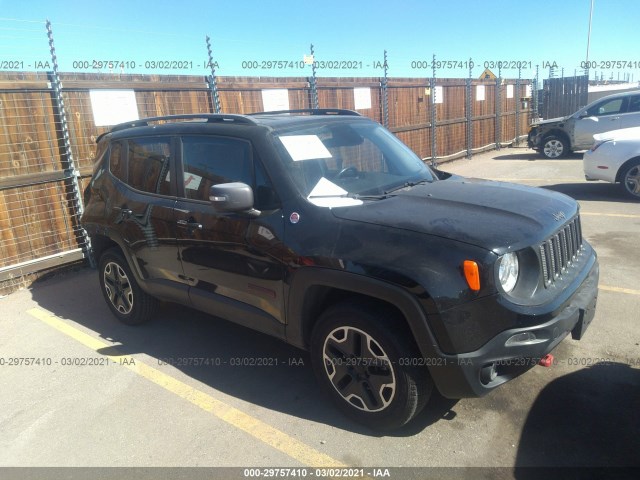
column 127, row 301
column 631, row 181
column 368, row 363
column 554, row 147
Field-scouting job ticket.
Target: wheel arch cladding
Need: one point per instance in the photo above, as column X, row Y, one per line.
column 314, row 290
column 101, row 243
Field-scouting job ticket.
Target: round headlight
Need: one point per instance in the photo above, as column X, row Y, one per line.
column 508, row 271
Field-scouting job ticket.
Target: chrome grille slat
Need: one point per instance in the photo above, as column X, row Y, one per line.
column 552, row 258
column 543, row 259
column 572, row 249
column 565, row 250
column 579, row 230
column 559, row 251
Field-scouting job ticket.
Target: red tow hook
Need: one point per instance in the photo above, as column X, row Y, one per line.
column 546, row 361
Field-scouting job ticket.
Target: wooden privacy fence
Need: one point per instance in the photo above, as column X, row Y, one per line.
column 564, row 96
column 41, row 176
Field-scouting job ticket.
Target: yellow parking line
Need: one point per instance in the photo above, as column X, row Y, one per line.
column 623, row 215
column 619, row 290
column 544, row 180
column 234, row 417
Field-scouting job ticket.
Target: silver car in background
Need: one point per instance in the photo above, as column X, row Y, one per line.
column 557, row 137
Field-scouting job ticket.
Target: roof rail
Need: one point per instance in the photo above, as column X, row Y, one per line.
column 209, row 117
column 313, row 111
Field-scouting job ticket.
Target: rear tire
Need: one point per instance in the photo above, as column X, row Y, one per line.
column 630, row 180
column 366, row 360
column 127, row 301
column 554, row 147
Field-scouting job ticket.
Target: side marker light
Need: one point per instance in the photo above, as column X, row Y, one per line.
column 472, row 274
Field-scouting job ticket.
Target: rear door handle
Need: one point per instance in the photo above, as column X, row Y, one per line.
column 190, row 224
column 124, row 211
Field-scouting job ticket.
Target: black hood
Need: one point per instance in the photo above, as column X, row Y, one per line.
column 493, row 215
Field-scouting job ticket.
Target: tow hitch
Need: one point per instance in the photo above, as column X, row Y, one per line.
column 546, row 361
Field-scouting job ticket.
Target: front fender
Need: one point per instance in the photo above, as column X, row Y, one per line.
column 299, row 323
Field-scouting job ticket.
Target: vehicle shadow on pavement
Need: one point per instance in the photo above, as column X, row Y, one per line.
column 591, row 191
column 581, row 420
column 438, row 409
column 519, row 153
column 243, row 363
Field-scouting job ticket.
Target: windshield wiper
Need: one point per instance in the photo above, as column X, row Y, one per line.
column 355, row 196
column 408, row 184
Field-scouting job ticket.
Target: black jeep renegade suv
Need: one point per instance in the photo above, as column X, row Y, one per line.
column 321, row 228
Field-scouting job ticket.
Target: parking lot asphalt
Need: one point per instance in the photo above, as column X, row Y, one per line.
column 84, row 390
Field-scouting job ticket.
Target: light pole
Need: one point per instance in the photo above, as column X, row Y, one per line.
column 589, row 34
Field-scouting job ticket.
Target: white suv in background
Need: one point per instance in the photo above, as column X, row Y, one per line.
column 615, row 157
column 557, row 137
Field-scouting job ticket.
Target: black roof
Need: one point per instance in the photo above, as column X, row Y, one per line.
column 275, row 118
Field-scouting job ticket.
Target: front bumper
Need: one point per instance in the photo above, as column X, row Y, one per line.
column 532, row 139
column 514, row 351
column 599, row 166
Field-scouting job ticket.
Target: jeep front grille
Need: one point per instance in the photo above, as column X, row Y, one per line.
column 559, row 251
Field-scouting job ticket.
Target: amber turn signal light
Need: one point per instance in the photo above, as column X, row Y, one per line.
column 472, row 274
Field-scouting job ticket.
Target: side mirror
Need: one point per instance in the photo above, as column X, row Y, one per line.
column 583, row 114
column 233, row 197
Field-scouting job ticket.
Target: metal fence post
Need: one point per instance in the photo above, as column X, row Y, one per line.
column 498, row 127
column 517, row 99
column 312, row 82
column 213, row 84
column 71, row 172
column 469, row 112
column 385, row 94
column 432, row 86
column 534, row 93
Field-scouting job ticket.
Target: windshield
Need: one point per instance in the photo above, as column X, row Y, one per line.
column 348, row 159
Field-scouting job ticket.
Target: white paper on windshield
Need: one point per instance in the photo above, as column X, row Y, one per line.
column 111, row 107
column 362, row 98
column 192, row 181
column 479, row 93
column 328, row 195
column 305, row 147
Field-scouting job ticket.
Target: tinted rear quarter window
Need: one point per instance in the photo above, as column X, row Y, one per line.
column 149, row 164
column 116, row 163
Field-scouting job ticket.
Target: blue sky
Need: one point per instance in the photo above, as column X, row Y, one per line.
column 247, row 34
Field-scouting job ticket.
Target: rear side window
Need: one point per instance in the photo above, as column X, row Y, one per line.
column 211, row 160
column 634, row 104
column 149, row 164
column 116, row 163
